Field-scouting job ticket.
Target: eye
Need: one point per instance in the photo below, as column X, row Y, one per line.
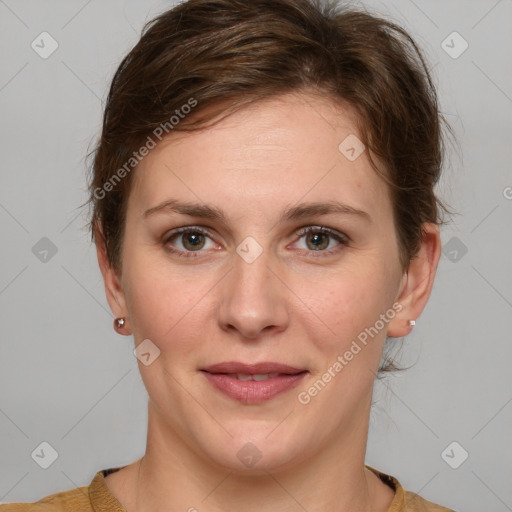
column 323, row 240
column 188, row 240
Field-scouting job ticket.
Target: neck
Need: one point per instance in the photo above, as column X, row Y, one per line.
column 171, row 476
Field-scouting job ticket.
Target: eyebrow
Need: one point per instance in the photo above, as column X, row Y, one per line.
column 292, row 213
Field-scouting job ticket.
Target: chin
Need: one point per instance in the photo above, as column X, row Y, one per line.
column 255, row 454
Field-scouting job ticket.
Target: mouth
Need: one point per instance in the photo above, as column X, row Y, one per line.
column 253, row 383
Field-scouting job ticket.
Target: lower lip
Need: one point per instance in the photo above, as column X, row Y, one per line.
column 253, row 391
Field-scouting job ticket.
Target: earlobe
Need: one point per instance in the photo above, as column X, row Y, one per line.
column 113, row 289
column 120, row 326
column 419, row 280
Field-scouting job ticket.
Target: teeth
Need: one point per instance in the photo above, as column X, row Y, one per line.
column 260, row 376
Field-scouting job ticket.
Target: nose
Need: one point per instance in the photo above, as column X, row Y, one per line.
column 254, row 299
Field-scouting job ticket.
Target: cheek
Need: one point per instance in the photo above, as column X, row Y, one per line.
column 161, row 299
column 349, row 305
column 345, row 301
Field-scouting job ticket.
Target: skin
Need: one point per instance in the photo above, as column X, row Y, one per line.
column 293, row 305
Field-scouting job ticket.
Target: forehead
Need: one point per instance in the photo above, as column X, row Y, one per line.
column 271, row 153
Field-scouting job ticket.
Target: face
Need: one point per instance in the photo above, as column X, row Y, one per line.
column 274, row 247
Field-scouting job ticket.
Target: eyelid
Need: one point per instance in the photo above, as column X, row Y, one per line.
column 184, row 229
column 323, row 229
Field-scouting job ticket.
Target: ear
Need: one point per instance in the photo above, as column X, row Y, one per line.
column 113, row 289
column 417, row 282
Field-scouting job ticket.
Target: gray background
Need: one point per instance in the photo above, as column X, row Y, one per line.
column 69, row 380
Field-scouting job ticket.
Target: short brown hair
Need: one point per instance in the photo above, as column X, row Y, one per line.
column 233, row 52
column 226, row 54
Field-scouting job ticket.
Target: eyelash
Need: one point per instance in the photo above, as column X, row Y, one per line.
column 339, row 237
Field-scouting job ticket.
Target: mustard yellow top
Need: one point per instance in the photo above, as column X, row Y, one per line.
column 98, row 498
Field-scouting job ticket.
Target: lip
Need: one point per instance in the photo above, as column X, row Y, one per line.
column 220, row 376
column 252, row 369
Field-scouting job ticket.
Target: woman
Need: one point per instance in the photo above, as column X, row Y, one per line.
column 264, row 217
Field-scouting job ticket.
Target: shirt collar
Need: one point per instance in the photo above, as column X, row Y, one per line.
column 102, row 500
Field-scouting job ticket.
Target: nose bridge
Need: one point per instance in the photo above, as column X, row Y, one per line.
column 253, row 299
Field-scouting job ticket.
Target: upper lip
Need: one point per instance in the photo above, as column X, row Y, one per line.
column 252, row 369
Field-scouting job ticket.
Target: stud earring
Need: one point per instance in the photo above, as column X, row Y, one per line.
column 412, row 323
column 119, row 323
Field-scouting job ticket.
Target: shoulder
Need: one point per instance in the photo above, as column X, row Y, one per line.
column 92, row 498
column 406, row 501
column 75, row 500
column 415, row 503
